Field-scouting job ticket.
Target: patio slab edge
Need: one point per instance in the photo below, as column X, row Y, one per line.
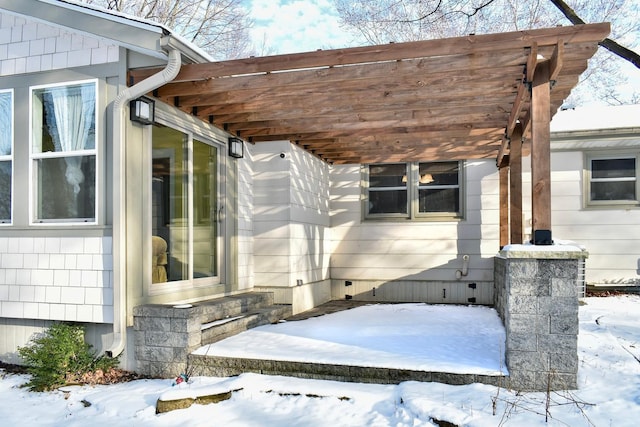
column 227, row 366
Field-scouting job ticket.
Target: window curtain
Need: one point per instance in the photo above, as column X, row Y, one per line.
column 70, row 113
column 5, row 124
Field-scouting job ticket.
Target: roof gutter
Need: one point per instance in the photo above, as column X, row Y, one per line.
column 119, row 200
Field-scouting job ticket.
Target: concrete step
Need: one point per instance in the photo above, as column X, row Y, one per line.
column 233, row 306
column 225, row 367
column 224, row 328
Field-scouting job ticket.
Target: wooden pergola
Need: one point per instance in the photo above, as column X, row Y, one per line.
column 479, row 96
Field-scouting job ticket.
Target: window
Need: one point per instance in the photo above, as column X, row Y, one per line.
column 612, row 180
column 439, row 187
column 413, row 190
column 63, row 153
column 388, row 189
column 6, row 150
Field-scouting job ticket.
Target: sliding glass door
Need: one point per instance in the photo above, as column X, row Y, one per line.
column 185, row 211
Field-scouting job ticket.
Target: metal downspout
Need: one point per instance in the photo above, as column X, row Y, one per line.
column 119, row 200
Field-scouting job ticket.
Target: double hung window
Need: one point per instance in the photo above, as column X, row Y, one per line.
column 6, row 154
column 613, row 180
column 63, row 153
column 418, row 190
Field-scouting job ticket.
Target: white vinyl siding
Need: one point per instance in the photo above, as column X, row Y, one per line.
column 291, row 216
column 610, row 235
column 33, row 47
column 57, row 278
column 419, row 255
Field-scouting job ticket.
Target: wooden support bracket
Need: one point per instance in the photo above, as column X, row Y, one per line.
column 503, row 158
column 521, row 97
column 532, row 62
column 556, row 61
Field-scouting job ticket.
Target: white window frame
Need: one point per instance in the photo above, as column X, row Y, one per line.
column 9, row 158
column 589, row 157
column 412, row 188
column 34, row 157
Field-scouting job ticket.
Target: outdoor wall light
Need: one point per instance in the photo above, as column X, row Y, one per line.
column 236, row 147
column 142, row 110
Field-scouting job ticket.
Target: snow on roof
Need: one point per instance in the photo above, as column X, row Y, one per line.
column 600, row 117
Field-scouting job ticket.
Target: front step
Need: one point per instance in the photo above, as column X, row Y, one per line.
column 165, row 334
column 221, row 329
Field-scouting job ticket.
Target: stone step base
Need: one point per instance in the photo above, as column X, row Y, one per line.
column 224, row 367
column 231, row 306
column 234, row 325
column 164, row 335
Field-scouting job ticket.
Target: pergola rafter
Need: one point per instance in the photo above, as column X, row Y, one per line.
column 425, row 100
column 475, row 97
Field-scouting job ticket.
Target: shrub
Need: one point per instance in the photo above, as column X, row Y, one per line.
column 60, row 355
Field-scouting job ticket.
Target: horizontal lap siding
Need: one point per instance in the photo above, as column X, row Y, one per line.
column 291, row 217
column 16, row 333
column 246, row 208
column 611, row 236
column 414, row 251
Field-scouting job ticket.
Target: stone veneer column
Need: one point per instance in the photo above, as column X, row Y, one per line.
column 164, row 337
column 536, row 296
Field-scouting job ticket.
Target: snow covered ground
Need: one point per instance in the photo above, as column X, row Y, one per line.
column 437, row 338
column 608, row 394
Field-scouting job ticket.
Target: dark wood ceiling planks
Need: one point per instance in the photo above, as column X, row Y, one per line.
column 443, row 99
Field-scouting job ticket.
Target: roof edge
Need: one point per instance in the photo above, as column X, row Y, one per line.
column 136, row 34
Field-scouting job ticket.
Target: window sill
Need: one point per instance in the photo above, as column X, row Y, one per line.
column 439, row 218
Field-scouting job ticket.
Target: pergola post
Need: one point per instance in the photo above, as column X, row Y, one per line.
column 504, row 205
column 515, row 185
column 541, row 156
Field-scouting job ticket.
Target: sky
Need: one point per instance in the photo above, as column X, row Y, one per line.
column 608, row 391
column 290, row 26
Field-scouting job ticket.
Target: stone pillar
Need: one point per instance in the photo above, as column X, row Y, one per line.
column 164, row 338
column 537, row 298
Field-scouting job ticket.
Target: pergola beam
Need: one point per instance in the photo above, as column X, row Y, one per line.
column 436, row 98
column 473, row 44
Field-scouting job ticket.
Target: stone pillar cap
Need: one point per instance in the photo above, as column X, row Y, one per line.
column 561, row 249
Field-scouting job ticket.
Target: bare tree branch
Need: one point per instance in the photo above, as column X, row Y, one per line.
column 607, row 43
column 220, row 27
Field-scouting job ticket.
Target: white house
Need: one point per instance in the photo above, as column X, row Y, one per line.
column 595, row 192
column 367, row 173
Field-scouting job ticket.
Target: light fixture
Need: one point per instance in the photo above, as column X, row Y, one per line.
column 236, row 147
column 427, row 178
column 142, row 110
